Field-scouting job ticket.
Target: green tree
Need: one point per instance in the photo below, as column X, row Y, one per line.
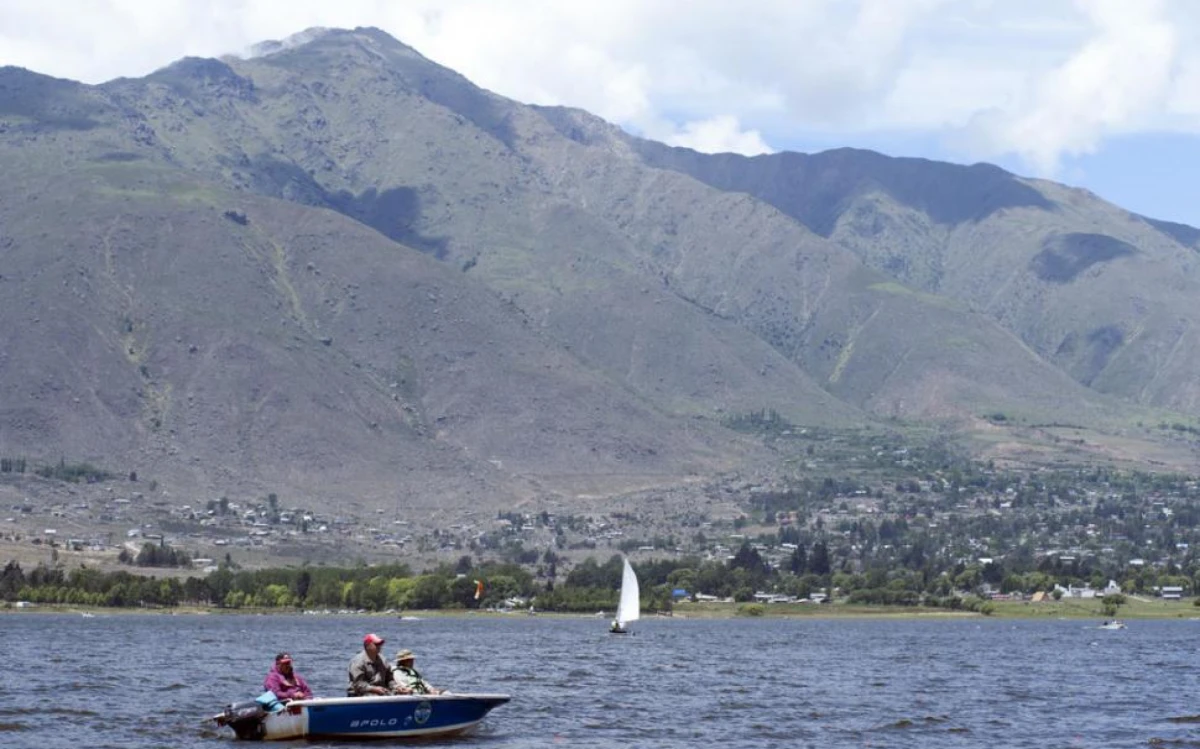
column 303, row 583
column 819, row 564
column 798, row 560
column 430, row 592
column 12, row 579
column 1110, row 603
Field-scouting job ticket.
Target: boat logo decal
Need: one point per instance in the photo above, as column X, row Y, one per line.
column 374, row 723
column 422, row 713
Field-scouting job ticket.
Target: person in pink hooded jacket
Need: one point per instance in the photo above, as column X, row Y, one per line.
column 286, row 683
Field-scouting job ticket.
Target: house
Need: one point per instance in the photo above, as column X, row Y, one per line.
column 1171, row 592
column 1072, row 592
column 773, row 598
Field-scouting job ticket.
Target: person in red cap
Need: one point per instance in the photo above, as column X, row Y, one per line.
column 286, row 683
column 369, row 673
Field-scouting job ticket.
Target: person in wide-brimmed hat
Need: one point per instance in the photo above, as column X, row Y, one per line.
column 408, row 678
column 369, row 673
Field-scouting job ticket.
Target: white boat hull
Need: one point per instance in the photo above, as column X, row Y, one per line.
column 390, row 717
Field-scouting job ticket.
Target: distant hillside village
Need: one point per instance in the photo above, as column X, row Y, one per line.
column 947, row 531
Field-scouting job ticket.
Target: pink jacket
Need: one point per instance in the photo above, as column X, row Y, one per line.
column 294, row 689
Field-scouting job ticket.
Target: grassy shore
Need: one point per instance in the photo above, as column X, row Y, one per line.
column 1134, row 608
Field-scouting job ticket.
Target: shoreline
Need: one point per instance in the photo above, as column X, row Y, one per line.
column 1138, row 609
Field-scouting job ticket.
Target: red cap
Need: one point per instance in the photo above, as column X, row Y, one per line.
column 372, row 639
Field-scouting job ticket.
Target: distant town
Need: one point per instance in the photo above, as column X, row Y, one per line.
column 867, row 515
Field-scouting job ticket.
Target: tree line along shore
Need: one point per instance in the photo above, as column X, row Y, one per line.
column 669, row 588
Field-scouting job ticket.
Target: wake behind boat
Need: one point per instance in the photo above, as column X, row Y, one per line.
column 423, row 716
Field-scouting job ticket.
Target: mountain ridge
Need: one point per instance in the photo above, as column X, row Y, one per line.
column 343, row 271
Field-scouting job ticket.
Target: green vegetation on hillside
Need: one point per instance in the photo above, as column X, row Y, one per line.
column 74, row 473
column 61, row 471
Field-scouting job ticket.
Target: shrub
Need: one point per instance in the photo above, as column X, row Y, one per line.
column 751, row 609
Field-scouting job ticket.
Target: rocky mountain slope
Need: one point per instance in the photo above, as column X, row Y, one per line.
column 1105, row 295
column 345, row 274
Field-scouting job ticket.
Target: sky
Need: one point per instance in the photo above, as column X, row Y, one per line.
column 1099, row 94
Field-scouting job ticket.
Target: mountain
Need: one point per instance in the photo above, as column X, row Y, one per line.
column 1105, row 295
column 344, row 274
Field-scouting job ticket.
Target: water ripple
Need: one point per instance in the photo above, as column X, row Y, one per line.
column 785, row 683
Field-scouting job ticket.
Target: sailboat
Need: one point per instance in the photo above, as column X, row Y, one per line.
column 629, row 607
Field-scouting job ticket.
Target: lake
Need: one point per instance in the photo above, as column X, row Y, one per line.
column 133, row 681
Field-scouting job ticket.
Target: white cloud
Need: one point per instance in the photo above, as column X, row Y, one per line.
column 1042, row 79
column 1119, row 80
column 719, row 134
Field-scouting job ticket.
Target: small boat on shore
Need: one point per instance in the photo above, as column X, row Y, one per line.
column 425, row 716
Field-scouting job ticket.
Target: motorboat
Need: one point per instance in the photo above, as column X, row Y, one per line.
column 1114, row 624
column 425, row 716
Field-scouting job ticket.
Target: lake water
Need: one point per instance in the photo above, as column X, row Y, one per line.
column 134, row 681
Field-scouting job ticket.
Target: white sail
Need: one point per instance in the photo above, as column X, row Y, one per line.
column 628, row 610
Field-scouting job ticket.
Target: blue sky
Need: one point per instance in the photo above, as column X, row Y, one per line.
column 1150, row 173
column 1100, row 94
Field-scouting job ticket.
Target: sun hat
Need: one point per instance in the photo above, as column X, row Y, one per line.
column 404, row 655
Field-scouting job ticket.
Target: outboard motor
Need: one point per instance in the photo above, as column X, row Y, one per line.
column 245, row 718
